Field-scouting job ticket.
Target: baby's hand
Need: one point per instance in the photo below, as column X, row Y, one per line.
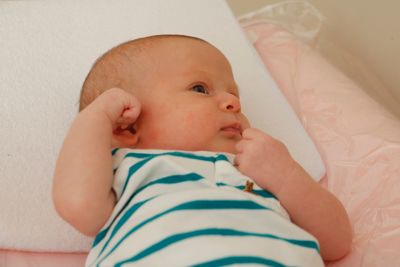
column 264, row 159
column 121, row 108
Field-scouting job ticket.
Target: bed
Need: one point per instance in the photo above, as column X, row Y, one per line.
column 348, row 142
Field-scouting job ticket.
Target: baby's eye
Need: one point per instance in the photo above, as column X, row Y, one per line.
column 198, row 88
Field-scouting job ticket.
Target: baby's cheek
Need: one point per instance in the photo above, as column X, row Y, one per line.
column 196, row 127
column 187, row 124
column 198, row 119
column 246, row 122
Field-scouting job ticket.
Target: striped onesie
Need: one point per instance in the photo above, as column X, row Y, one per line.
column 179, row 208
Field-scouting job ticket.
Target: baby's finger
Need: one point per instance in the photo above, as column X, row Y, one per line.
column 131, row 114
column 123, row 121
column 253, row 133
column 241, row 145
column 128, row 119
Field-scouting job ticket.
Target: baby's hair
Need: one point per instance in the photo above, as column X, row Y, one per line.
column 112, row 69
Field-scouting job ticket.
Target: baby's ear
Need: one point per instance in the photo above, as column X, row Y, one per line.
column 125, row 138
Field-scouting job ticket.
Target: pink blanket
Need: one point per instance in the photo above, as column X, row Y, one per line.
column 12, row 258
column 358, row 139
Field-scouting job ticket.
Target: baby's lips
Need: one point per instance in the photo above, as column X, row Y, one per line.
column 234, row 127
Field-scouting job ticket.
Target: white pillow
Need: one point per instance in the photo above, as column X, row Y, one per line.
column 46, row 50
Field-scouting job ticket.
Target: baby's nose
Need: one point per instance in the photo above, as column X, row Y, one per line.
column 230, row 103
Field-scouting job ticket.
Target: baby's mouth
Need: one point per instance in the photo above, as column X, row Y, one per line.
column 234, row 129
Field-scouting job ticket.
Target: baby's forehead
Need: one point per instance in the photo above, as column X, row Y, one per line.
column 144, row 54
column 151, row 50
column 133, row 59
column 125, row 65
column 146, row 44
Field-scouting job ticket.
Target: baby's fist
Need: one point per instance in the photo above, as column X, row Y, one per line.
column 121, row 107
column 264, row 159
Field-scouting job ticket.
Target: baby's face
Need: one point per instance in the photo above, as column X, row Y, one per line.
column 189, row 98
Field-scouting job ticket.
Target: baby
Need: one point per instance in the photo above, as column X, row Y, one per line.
column 184, row 203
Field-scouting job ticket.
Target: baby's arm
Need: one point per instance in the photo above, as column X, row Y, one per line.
column 82, row 186
column 269, row 164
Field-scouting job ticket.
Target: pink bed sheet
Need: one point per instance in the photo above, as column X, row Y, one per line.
column 13, row 258
column 358, row 140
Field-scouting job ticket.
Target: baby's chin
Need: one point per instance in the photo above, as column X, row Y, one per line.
column 224, row 147
column 227, row 146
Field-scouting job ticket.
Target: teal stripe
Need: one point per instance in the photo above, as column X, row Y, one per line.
column 261, row 192
column 218, row 157
column 114, row 151
column 264, row 193
column 173, row 179
column 139, row 155
column 192, row 205
column 126, row 215
column 139, row 164
column 132, row 170
column 240, row 260
column 211, row 231
column 100, row 236
column 166, row 180
column 180, row 154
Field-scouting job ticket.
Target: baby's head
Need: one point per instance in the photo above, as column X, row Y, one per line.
column 189, row 98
